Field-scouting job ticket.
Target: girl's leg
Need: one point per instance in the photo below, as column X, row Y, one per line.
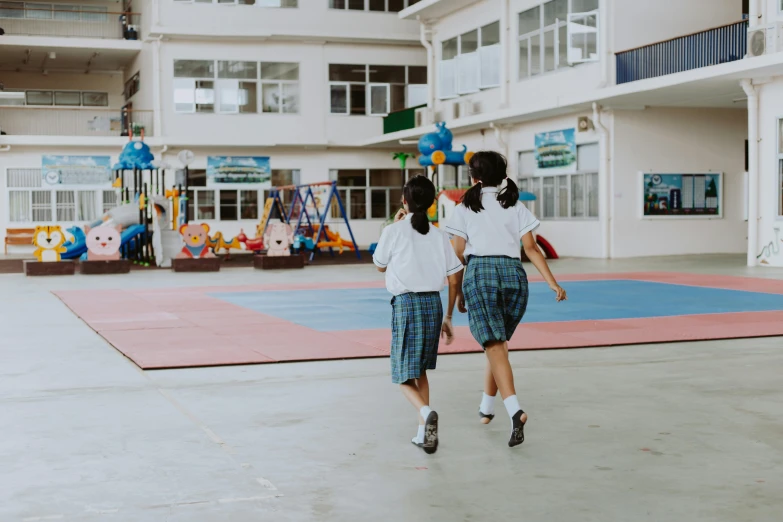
column 497, row 354
column 417, row 392
column 487, row 406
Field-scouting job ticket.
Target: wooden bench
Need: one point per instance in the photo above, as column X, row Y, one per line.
column 18, row 236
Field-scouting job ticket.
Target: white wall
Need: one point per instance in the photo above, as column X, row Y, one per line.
column 677, row 141
column 770, row 224
column 643, row 22
column 312, row 125
column 312, row 19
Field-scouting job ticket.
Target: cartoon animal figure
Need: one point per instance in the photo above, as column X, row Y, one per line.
column 49, row 241
column 218, row 242
column 195, row 238
column 436, row 149
column 278, row 238
column 103, row 242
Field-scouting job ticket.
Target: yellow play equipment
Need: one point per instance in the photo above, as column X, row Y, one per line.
column 333, row 240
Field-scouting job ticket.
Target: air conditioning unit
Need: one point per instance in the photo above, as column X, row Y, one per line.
column 764, row 40
column 463, row 109
column 422, row 117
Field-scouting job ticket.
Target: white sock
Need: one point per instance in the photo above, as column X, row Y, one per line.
column 424, row 412
column 419, row 438
column 487, row 404
column 512, row 405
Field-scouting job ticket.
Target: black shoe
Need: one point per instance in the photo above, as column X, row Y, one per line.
column 486, row 416
column 517, row 430
column 430, row 445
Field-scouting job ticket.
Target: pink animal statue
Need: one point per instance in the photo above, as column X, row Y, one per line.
column 278, row 239
column 103, row 242
column 195, row 238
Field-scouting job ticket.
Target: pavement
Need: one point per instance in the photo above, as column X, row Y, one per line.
column 685, row 431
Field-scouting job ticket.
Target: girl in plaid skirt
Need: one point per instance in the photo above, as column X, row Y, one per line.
column 417, row 257
column 488, row 225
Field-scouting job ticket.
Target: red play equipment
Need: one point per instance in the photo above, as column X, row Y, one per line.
column 255, row 244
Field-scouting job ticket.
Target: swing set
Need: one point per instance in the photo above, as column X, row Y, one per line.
column 309, row 223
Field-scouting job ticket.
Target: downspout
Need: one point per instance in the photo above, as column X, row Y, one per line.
column 499, row 138
column 430, row 65
column 156, row 73
column 504, row 75
column 753, row 169
column 754, row 14
column 606, row 52
column 604, row 186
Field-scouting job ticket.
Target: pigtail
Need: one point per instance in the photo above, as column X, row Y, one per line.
column 509, row 195
column 472, row 198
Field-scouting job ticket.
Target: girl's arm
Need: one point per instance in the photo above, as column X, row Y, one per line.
column 538, row 260
column 459, row 248
column 455, row 290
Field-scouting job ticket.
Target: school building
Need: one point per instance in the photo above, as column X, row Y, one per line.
column 643, row 127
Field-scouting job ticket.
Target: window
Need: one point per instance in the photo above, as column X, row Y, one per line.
column 41, row 11
column 387, row 6
column 63, row 99
column 375, row 90
column 370, row 193
column 470, row 62
column 563, row 196
column 280, row 87
column 556, row 34
column 231, row 87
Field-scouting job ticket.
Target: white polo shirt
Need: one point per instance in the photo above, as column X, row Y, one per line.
column 415, row 262
column 495, row 231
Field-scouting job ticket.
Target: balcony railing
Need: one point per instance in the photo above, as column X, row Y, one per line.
column 400, row 120
column 70, row 21
column 55, row 121
column 723, row 44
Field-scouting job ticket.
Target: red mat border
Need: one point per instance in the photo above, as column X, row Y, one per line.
column 168, row 328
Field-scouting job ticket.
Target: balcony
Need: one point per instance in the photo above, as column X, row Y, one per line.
column 53, row 121
column 69, row 21
column 400, row 120
column 723, row 44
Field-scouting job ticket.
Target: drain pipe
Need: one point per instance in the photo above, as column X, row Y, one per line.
column 753, row 169
column 156, row 117
column 499, row 138
column 605, row 52
column 604, row 185
column 504, row 75
column 430, row 65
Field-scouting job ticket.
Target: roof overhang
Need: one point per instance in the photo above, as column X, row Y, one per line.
column 717, row 86
column 430, row 10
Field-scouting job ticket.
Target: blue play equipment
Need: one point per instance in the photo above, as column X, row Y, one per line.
column 527, row 196
column 135, row 155
column 436, row 149
column 303, row 195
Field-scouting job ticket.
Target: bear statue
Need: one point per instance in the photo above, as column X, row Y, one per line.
column 195, row 238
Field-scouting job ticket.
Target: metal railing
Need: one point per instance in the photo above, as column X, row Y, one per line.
column 70, row 21
column 723, row 44
column 56, row 121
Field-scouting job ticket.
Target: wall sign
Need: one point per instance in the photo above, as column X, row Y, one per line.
column 556, row 151
column 683, row 195
column 76, row 170
column 228, row 170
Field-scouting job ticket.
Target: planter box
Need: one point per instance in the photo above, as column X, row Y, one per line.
column 120, row 266
column 36, row 268
column 279, row 262
column 201, row 264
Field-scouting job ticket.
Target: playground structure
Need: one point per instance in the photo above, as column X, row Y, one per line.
column 306, row 214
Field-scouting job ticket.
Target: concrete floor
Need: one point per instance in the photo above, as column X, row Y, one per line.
column 688, row 431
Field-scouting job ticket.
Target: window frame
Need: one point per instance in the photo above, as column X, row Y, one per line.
column 458, row 90
column 368, row 85
column 366, row 9
column 345, row 193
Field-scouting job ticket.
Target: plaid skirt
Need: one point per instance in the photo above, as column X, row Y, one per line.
column 496, row 293
column 416, row 324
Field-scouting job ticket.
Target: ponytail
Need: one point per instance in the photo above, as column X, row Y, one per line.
column 488, row 169
column 419, row 195
column 509, row 195
column 472, row 198
column 420, row 222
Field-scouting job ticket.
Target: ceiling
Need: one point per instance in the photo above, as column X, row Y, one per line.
column 35, row 58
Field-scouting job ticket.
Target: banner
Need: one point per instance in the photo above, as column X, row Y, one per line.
column 76, row 170
column 694, row 195
column 228, row 170
column 556, row 151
